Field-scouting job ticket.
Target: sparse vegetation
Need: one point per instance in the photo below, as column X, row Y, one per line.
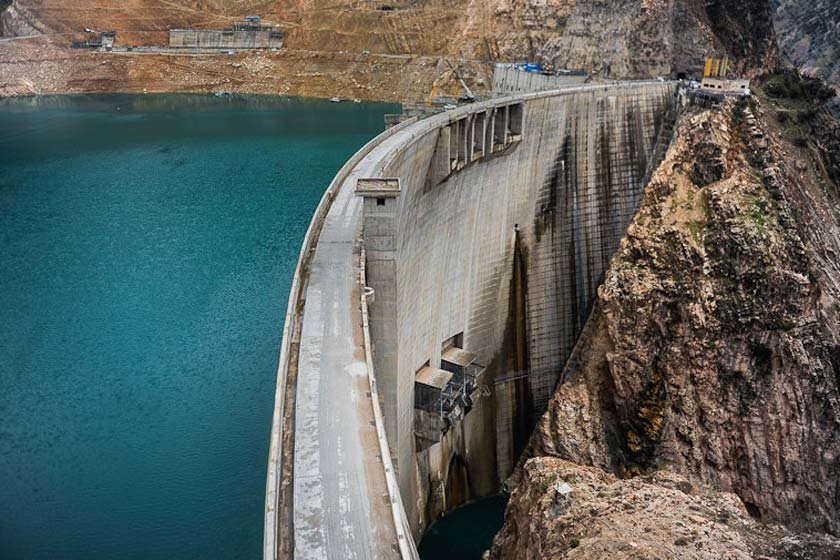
column 791, row 85
column 696, row 229
column 546, row 483
column 796, row 100
column 759, row 212
column 685, row 486
column 739, row 112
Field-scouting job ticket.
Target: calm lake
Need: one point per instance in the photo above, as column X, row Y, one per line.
column 147, row 245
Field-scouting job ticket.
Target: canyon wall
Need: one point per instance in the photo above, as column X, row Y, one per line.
column 623, row 38
column 713, row 348
column 809, row 35
column 324, row 53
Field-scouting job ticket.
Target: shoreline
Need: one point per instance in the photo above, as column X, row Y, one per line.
column 37, row 66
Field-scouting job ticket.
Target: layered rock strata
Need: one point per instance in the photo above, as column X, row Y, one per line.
column 809, row 35
column 714, row 347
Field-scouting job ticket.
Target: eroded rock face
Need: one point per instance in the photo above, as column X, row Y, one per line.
column 809, row 34
column 606, row 38
column 624, row 38
column 714, row 348
column 565, row 511
column 17, row 20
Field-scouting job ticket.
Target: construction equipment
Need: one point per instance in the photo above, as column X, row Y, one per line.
column 533, row 67
column 444, row 78
column 468, row 96
column 716, row 67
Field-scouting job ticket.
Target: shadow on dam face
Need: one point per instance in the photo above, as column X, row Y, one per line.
column 502, row 258
column 512, row 361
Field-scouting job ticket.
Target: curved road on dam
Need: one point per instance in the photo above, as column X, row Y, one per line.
column 341, row 504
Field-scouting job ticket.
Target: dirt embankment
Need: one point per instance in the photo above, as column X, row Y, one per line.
column 33, row 67
column 325, row 39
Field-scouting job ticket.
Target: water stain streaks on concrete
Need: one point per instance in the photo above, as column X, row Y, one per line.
column 552, row 189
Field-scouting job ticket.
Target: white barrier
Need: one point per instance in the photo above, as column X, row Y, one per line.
column 408, row 550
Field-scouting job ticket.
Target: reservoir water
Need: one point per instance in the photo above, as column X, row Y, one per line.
column 147, row 245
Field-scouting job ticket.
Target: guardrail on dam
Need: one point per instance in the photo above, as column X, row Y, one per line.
column 483, row 257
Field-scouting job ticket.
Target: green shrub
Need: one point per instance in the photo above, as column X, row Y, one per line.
column 793, row 86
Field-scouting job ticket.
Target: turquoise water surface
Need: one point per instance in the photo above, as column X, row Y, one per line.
column 147, row 245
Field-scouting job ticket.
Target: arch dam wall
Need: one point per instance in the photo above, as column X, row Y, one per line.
column 484, row 259
column 504, row 225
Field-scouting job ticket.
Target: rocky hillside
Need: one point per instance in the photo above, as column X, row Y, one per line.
column 16, row 20
column 565, row 511
column 714, row 348
column 809, row 35
column 607, row 38
column 623, row 38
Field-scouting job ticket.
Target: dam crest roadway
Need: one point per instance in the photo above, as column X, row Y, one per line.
column 431, row 313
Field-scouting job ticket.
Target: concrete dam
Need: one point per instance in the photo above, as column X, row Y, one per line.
column 441, row 287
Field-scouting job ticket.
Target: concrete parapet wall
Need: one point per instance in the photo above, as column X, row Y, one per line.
column 510, row 80
column 405, row 540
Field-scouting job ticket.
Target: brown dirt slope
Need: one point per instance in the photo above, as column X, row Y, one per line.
column 607, row 38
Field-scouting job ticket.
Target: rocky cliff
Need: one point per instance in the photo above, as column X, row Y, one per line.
column 566, row 511
column 714, row 347
column 16, row 20
column 623, row 38
column 809, row 35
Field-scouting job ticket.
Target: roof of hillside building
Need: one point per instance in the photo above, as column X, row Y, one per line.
column 433, row 377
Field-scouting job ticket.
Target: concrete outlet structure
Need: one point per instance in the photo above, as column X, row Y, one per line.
column 487, row 230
